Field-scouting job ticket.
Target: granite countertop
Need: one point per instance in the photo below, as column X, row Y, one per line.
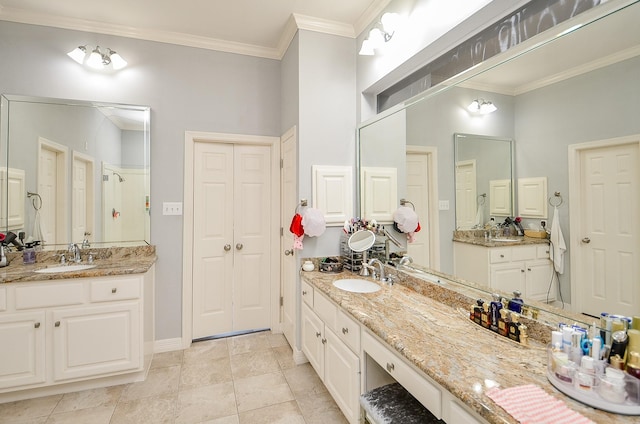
column 432, row 330
column 477, row 237
column 107, row 261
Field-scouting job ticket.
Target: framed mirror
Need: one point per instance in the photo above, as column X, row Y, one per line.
column 484, row 178
column 74, row 171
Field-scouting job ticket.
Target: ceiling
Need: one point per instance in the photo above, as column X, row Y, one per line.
column 256, row 27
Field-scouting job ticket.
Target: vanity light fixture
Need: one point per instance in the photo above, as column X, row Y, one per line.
column 96, row 59
column 481, row 106
column 381, row 33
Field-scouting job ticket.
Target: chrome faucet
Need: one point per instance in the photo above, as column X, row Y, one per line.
column 381, row 274
column 75, row 251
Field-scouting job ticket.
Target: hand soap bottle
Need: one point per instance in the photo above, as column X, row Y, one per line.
column 29, row 253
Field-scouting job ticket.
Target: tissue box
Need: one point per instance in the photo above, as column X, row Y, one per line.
column 536, row 233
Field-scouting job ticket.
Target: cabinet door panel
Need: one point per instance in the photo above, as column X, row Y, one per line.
column 541, row 282
column 342, row 376
column 22, row 352
column 508, row 277
column 96, row 340
column 312, row 335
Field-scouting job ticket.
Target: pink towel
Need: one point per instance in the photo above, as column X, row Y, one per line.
column 531, row 405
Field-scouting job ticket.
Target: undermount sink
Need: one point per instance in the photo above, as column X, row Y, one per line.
column 356, row 285
column 505, row 239
column 64, row 268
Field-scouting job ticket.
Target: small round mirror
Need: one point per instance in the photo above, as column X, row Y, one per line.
column 361, row 240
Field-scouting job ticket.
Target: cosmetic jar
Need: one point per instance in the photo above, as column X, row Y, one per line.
column 612, row 386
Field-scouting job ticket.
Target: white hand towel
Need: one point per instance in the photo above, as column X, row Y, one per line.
column 479, row 217
column 558, row 244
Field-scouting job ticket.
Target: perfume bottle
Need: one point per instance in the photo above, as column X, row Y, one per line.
column 514, row 327
column 516, row 303
column 494, row 310
column 503, row 323
column 485, row 316
column 477, row 311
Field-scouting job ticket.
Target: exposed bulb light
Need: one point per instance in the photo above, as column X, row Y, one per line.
column 482, row 107
column 96, row 59
column 381, row 33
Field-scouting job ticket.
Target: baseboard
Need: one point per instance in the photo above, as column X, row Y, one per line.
column 167, row 345
column 299, row 358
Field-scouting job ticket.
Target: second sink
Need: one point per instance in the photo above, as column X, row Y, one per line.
column 356, row 285
column 64, row 268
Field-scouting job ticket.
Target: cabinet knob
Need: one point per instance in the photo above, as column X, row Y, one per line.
column 502, row 256
column 304, row 292
column 239, row 246
column 113, row 290
column 390, row 366
column 345, row 330
column 36, row 325
column 57, row 324
column 529, row 269
column 318, row 334
column 227, row 247
column 324, row 341
column 522, row 270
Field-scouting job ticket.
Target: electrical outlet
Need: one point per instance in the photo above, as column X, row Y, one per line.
column 172, row 208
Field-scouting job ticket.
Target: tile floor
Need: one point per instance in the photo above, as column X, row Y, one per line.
column 248, row 379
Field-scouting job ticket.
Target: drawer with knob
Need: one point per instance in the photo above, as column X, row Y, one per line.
column 348, row 330
column 115, row 289
column 307, row 293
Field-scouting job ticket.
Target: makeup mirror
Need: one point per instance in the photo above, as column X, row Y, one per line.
column 361, row 241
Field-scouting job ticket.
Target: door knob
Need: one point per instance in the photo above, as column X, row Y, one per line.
column 288, row 252
column 227, row 247
column 239, row 246
column 586, row 240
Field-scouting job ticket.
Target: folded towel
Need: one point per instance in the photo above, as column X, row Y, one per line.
column 531, row 405
column 557, row 243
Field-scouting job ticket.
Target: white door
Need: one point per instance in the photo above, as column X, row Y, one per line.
column 48, row 190
column 231, row 255
column 466, row 194
column 82, row 220
column 287, row 260
column 607, row 241
column 418, row 194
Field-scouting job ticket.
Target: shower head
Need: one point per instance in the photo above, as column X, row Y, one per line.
column 120, row 178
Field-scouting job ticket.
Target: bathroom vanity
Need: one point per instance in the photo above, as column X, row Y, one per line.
column 66, row 331
column 522, row 264
column 419, row 334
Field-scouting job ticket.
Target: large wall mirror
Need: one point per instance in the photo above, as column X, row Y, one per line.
column 574, row 83
column 74, row 171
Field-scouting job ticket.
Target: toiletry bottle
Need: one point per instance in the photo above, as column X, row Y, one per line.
column 633, row 364
column 524, row 336
column 514, row 327
column 485, row 317
column 516, row 303
column 477, row 311
column 575, row 353
column 619, row 341
column 29, row 254
column 495, row 307
column 503, row 322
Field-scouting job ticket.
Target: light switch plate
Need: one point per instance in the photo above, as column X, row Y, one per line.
column 443, row 205
column 172, row 208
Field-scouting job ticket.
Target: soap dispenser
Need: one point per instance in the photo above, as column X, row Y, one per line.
column 29, row 253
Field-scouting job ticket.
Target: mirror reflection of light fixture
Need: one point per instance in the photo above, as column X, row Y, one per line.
column 381, row 33
column 481, row 106
column 96, row 59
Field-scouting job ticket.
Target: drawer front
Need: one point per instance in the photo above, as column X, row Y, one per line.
column 427, row 393
column 326, row 310
column 543, row 251
column 49, row 294
column 307, row 293
column 348, row 331
column 3, row 299
column 115, row 289
column 523, row 253
column 498, row 256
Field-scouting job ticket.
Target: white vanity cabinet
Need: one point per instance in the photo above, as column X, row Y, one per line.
column 526, row 268
column 73, row 330
column 328, row 335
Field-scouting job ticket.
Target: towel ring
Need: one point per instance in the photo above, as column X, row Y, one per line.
column 36, row 201
column 482, row 199
column 403, row 202
column 558, row 196
column 303, row 203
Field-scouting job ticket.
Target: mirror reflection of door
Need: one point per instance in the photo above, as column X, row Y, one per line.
column 418, row 194
column 82, row 197
column 123, row 204
column 52, row 187
column 466, row 194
